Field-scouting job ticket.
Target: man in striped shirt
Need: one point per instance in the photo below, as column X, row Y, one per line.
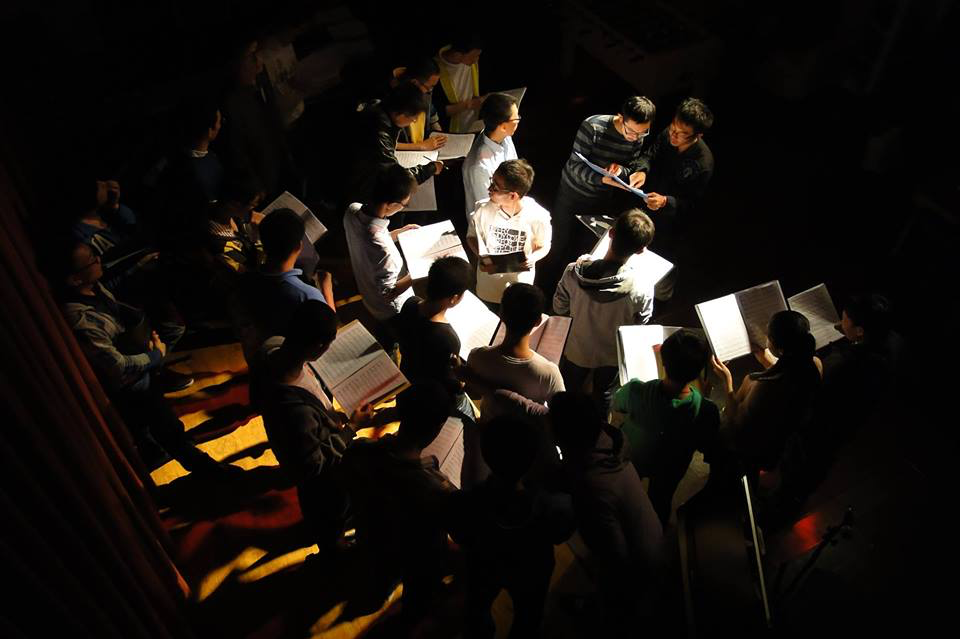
column 614, row 142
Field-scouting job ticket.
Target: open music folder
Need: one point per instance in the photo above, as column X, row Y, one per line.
column 638, row 351
column 423, row 246
column 648, row 264
column 735, row 322
column 816, row 305
column 473, row 322
column 458, row 145
column 425, row 197
column 548, row 339
column 448, row 449
column 313, row 228
column 357, row 370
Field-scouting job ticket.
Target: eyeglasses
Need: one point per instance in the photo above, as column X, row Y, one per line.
column 496, row 188
column 630, row 133
column 680, row 134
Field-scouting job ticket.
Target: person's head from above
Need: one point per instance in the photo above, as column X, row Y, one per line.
column 635, row 118
column 422, row 73
column 85, row 195
column 788, row 336
column 631, row 233
column 692, row 119
column 866, row 317
column 447, row 280
column 247, row 64
column 281, row 234
column 511, row 182
column 200, row 122
column 239, row 196
column 465, row 48
column 685, row 355
column 521, row 308
column 500, row 114
column 404, row 103
column 576, row 422
column 392, row 190
column 310, row 332
column 509, row 446
column 423, row 409
column 81, row 268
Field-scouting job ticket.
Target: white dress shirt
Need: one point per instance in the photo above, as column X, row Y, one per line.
column 376, row 260
column 478, row 167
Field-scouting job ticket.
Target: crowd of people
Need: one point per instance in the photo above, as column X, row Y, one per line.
column 548, row 448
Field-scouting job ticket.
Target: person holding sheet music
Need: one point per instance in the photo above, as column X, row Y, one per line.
column 376, row 260
column 375, row 145
column 307, row 435
column 400, row 500
column 600, row 296
column 614, row 142
column 509, row 222
column 772, row 405
column 424, row 74
column 666, row 420
column 501, row 117
column 459, row 98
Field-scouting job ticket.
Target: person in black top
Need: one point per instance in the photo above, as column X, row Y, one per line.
column 508, row 532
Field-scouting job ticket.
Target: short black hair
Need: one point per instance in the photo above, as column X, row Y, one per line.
column 197, row 117
column 423, row 408
column 241, row 187
column 448, row 276
column 281, row 233
column 871, row 312
column 576, row 421
column 405, row 99
column 496, row 110
column 509, row 446
column 684, row 355
column 638, row 108
column 313, row 322
column 633, row 232
column 393, row 184
column 465, row 41
column 521, row 308
column 421, row 70
column 789, row 331
column 696, row 114
column 517, row 176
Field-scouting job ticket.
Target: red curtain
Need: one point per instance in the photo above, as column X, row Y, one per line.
column 83, row 548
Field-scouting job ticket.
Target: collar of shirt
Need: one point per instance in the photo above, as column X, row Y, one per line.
column 377, row 223
column 194, row 153
column 496, row 147
column 293, row 273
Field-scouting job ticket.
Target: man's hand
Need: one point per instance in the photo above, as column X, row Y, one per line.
column 637, row 179
column 433, row 143
column 526, row 264
column 437, row 167
column 157, row 345
column 764, row 356
column 486, row 265
column 362, row 415
column 723, row 372
column 146, row 259
column 611, row 182
column 655, row 201
column 614, row 168
column 256, row 217
column 408, row 227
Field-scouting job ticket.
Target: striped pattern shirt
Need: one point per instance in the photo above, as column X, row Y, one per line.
column 600, row 142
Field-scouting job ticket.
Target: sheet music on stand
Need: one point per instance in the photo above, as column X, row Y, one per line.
column 816, row 305
column 425, row 197
column 424, row 245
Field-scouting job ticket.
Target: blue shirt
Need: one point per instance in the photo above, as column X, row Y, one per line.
column 274, row 297
column 478, row 167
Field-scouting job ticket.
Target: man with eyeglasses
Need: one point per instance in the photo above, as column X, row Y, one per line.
column 376, row 260
column 501, row 117
column 614, row 142
column 424, row 74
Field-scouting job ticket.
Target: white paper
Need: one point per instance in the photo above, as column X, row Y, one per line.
column 425, row 197
column 447, row 447
column 635, row 350
column 458, row 145
column 517, row 93
column 375, row 380
column 816, row 305
column 551, row 337
column 724, row 326
column 423, row 246
column 313, row 228
column 473, row 323
column 410, row 159
column 757, row 305
column 353, row 349
column 648, row 265
column 602, row 171
column 452, row 466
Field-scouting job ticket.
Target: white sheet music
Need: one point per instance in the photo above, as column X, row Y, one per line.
column 457, row 146
column 816, row 305
column 649, row 265
column 375, row 380
column 314, row 228
column 636, row 350
column 757, row 305
column 353, row 349
column 550, row 337
column 517, row 93
column 423, row 246
column 445, row 441
column 453, row 464
column 410, row 159
column 473, row 322
column 724, row 326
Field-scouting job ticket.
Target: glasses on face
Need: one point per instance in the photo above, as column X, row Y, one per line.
column 631, row 134
column 496, row 188
column 675, row 131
